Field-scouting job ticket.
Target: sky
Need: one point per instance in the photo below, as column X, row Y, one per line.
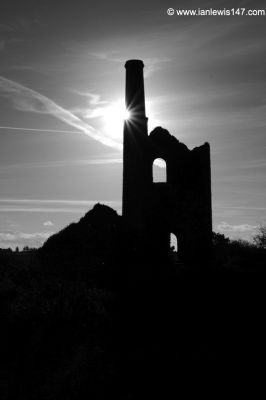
column 62, row 85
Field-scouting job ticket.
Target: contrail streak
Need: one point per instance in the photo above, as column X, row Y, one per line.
column 15, row 128
column 26, row 99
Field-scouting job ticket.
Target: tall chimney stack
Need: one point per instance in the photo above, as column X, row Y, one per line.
column 135, row 97
column 135, row 167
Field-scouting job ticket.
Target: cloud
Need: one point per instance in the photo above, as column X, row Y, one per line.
column 48, row 223
column 53, row 201
column 18, row 128
column 152, row 64
column 248, row 164
column 15, row 238
column 225, row 227
column 8, row 236
column 20, row 25
column 28, row 100
column 93, row 98
column 62, row 163
column 95, row 106
column 36, row 235
column 53, row 205
column 74, row 210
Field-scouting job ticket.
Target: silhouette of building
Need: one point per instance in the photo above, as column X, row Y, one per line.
column 182, row 204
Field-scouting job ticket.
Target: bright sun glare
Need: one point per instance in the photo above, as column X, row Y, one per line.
column 114, row 117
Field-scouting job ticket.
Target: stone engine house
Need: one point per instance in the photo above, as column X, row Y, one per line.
column 182, row 204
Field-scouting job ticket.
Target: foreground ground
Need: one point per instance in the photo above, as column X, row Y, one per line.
column 106, row 324
column 70, row 340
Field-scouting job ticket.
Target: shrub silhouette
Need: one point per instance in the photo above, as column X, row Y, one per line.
column 99, row 246
column 238, row 254
column 260, row 237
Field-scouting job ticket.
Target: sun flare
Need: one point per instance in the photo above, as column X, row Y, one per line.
column 114, row 117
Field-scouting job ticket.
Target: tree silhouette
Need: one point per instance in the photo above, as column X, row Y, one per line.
column 260, row 237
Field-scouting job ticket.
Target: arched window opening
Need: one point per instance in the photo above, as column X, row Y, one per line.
column 173, row 243
column 159, row 171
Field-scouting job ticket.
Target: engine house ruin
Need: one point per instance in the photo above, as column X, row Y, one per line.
column 182, row 204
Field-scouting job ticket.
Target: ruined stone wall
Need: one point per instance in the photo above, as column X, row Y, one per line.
column 181, row 205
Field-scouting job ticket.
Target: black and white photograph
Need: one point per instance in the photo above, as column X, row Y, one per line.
column 132, row 199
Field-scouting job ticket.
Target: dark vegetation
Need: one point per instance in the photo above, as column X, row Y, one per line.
column 95, row 314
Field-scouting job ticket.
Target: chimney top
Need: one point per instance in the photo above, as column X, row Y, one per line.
column 134, row 64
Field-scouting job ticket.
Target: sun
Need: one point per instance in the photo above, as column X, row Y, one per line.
column 114, row 117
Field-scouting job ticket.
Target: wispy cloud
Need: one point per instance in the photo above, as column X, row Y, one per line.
column 26, row 99
column 61, row 163
column 93, row 98
column 152, row 64
column 17, row 128
column 247, row 164
column 50, row 201
column 53, row 205
column 20, row 25
column 247, row 208
column 225, row 227
column 15, row 238
column 95, row 107
column 12, row 236
column 48, row 223
column 66, row 210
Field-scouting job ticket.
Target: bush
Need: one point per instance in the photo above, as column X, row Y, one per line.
column 260, row 238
